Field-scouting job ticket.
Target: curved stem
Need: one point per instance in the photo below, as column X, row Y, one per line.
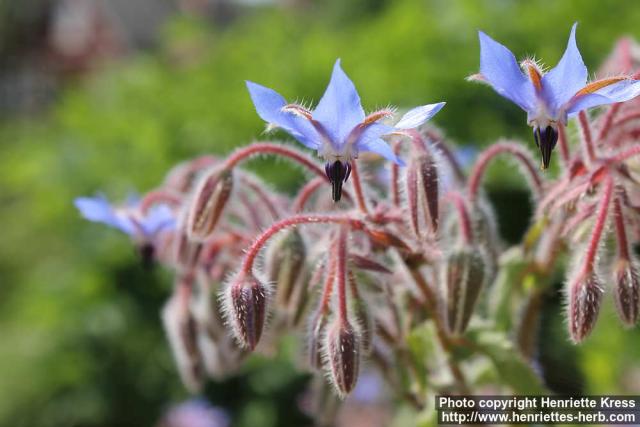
column 395, row 176
column 624, row 155
column 263, row 195
column 269, row 148
column 361, row 201
column 463, row 216
column 159, row 196
column 601, row 220
column 488, row 155
column 305, row 193
column 587, row 139
column 253, row 251
column 621, row 232
column 608, row 122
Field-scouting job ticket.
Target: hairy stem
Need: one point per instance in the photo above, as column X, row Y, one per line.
column 519, row 153
column 587, row 139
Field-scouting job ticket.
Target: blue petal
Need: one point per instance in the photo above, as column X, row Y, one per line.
column 269, row 105
column 380, row 147
column 159, row 217
column 500, row 68
column 98, row 209
column 618, row 92
column 568, row 77
column 339, row 110
column 419, row 115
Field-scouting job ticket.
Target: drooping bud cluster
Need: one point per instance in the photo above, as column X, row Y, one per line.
column 376, row 277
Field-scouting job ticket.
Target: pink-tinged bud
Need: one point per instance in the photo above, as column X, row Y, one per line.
column 422, row 192
column 181, row 331
column 187, row 252
column 626, row 292
column 246, row 308
column 585, row 296
column 285, row 264
column 342, row 353
column 209, row 201
column 464, row 278
column 316, row 335
column 366, row 263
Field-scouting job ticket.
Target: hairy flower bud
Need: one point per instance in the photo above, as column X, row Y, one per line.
column 422, row 192
column 585, row 296
column 342, row 352
column 246, row 308
column 285, row 264
column 626, row 292
column 209, row 201
column 316, row 334
column 464, row 277
column 181, row 331
column 365, row 324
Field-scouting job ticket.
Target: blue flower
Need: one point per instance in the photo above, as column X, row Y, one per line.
column 549, row 99
column 338, row 127
column 127, row 219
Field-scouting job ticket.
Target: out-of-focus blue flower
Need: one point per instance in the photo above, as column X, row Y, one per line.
column 127, row 219
column 338, row 127
column 549, row 98
column 195, row 413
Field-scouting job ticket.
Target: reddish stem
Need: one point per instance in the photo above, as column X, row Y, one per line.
column 269, row 148
column 159, row 196
column 361, row 201
column 607, row 121
column 463, row 216
column 259, row 191
column 488, row 155
column 305, row 193
column 341, row 259
column 621, row 232
column 587, row 139
column 395, row 175
column 327, row 288
column 626, row 118
column 255, row 247
column 601, row 221
column 624, row 155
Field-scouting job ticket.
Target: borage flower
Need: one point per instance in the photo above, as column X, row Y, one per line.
column 338, row 127
column 549, row 99
column 141, row 227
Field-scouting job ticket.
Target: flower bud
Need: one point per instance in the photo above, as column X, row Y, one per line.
column 585, row 296
column 422, row 192
column 209, row 201
column 181, row 331
column 246, row 308
column 317, row 331
column 626, row 292
column 285, row 263
column 342, row 352
column 464, row 277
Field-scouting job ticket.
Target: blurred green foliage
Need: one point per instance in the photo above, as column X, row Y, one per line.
column 81, row 338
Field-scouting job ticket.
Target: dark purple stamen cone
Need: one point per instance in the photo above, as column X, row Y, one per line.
column 546, row 140
column 317, row 330
column 209, row 202
column 585, row 296
column 464, row 278
column 626, row 292
column 147, row 254
column 342, row 348
column 338, row 172
column 246, row 309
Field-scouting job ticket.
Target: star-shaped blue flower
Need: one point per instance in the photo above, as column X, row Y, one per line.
column 127, row 219
column 338, row 127
column 549, row 98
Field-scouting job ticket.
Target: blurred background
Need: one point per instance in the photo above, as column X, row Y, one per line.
column 107, row 95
